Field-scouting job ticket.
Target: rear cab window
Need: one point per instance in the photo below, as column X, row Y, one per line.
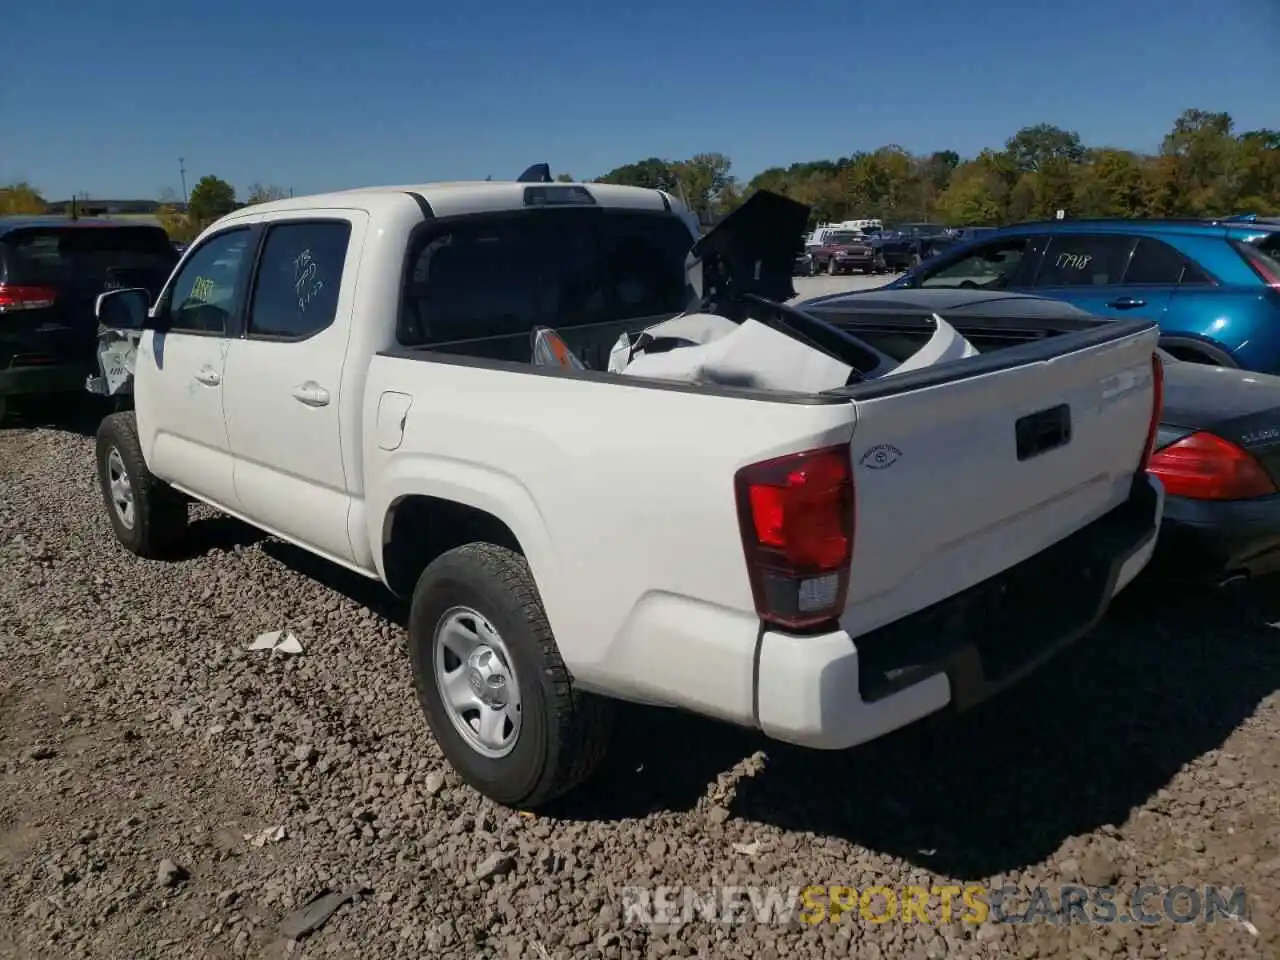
column 92, row 257
column 1084, row 260
column 496, row 277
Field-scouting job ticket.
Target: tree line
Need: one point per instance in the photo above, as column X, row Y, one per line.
column 1203, row 168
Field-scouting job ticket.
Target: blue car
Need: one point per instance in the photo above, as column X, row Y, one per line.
column 1212, row 285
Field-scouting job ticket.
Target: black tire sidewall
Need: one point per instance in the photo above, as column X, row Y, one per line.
column 109, row 439
column 454, row 581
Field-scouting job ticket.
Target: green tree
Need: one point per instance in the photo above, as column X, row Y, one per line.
column 653, row 174
column 1031, row 148
column 211, row 198
column 702, row 178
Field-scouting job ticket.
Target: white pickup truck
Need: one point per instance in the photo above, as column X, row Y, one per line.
column 354, row 373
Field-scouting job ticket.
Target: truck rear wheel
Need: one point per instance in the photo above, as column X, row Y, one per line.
column 496, row 693
column 148, row 516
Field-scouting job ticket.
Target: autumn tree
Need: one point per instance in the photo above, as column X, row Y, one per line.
column 21, row 198
column 262, row 193
column 1202, row 168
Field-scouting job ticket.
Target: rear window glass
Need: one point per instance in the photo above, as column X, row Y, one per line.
column 503, row 275
column 1270, row 245
column 99, row 257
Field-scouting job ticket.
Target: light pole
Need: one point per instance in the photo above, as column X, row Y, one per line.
column 182, row 172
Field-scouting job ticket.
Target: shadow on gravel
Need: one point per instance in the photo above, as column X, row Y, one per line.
column 370, row 594
column 1093, row 735
column 69, row 412
column 218, row 533
column 1096, row 733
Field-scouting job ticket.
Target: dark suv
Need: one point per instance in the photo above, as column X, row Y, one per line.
column 51, row 272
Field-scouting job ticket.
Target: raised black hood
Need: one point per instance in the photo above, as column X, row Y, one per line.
column 751, row 251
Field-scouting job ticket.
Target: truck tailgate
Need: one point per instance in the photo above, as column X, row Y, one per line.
column 960, row 479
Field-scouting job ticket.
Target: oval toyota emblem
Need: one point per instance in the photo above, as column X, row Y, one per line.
column 880, row 456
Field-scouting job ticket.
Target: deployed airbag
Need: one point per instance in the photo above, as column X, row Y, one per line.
column 707, row 348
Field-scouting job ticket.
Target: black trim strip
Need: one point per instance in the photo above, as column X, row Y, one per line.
column 1038, row 351
column 421, row 201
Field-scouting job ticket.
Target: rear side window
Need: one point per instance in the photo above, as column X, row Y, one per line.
column 295, row 294
column 500, row 276
column 96, row 258
column 1084, row 261
column 1156, row 263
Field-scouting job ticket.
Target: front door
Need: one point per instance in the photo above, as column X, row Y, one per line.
column 285, row 380
column 178, row 399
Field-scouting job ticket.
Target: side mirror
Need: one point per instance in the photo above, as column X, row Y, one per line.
column 123, row 309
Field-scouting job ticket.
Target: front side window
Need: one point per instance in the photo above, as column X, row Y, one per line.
column 1083, row 260
column 295, row 294
column 202, row 298
column 992, row 266
column 501, row 276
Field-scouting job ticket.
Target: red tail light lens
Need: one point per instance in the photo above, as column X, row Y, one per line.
column 797, row 519
column 1266, row 267
column 1157, row 407
column 14, row 298
column 1205, row 467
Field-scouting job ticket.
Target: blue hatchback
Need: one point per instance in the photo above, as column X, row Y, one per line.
column 1212, row 285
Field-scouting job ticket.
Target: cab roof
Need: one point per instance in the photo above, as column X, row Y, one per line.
column 453, row 198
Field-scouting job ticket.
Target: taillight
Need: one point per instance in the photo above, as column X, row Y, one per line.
column 1264, row 266
column 14, row 298
column 797, row 519
column 1157, row 407
column 1206, row 467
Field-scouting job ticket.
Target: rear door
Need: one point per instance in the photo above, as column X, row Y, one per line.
column 283, row 379
column 1096, row 272
column 69, row 265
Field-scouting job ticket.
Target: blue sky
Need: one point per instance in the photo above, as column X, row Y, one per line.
column 103, row 97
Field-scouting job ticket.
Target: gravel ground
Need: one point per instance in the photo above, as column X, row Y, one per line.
column 147, row 762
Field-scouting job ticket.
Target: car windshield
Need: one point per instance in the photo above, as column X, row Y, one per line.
column 845, row 236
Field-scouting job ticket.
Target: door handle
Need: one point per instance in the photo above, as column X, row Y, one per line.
column 208, row 376
column 311, row 393
column 1126, row 303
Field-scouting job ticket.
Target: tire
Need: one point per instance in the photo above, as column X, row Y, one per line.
column 487, row 593
column 158, row 521
column 4, row 407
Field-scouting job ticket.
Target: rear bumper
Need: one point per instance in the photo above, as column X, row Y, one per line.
column 1208, row 542
column 832, row 692
column 44, row 378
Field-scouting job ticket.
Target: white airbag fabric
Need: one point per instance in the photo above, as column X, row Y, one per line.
column 748, row 355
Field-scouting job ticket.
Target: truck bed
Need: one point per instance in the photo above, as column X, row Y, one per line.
column 957, row 503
